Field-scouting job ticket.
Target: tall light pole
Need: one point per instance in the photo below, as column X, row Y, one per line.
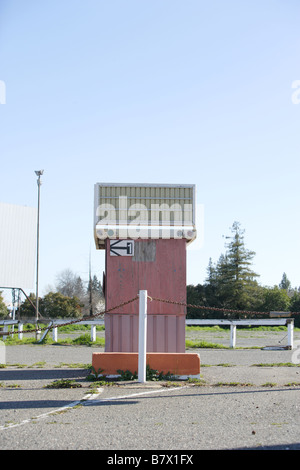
column 39, row 174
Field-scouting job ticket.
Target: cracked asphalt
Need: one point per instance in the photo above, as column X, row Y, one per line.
column 245, row 401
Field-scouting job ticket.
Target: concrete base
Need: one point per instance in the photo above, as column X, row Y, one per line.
column 181, row 365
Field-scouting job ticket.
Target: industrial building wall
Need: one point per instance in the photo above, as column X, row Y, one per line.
column 17, row 245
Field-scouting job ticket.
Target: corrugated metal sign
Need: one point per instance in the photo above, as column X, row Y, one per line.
column 132, row 211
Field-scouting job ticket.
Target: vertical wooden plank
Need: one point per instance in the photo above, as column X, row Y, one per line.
column 108, row 333
column 124, row 332
column 151, row 338
column 180, row 330
column 171, row 333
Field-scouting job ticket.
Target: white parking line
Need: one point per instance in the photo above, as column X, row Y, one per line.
column 122, row 397
column 85, row 399
column 89, row 399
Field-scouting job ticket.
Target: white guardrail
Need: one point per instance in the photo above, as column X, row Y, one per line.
column 54, row 325
column 289, row 322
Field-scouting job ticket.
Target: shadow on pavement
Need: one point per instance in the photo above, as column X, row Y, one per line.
column 41, row 374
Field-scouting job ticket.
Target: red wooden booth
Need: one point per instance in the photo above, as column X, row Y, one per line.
column 144, row 230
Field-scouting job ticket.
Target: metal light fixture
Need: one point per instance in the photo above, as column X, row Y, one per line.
column 39, row 174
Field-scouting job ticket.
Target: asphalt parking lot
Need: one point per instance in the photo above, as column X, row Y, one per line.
column 247, row 399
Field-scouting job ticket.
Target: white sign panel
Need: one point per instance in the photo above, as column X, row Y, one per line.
column 17, row 246
column 121, row 248
column 143, row 211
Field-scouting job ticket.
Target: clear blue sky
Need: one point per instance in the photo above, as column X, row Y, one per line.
column 154, row 91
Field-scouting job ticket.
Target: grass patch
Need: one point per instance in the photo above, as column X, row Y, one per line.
column 226, row 364
column 63, row 383
column 3, row 385
column 73, row 365
column 216, row 328
column 75, row 328
column 219, row 328
column 85, row 340
column 101, row 383
column 203, row 344
column 276, row 364
column 196, row 382
column 233, row 384
column 15, row 341
column 39, row 365
column 151, row 375
column 171, row 384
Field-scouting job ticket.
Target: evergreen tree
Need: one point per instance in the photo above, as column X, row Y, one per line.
column 27, row 306
column 285, row 283
column 295, row 307
column 3, row 308
column 195, row 296
column 233, row 280
column 275, row 299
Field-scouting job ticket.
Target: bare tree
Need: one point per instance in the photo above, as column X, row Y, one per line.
column 70, row 284
column 89, row 293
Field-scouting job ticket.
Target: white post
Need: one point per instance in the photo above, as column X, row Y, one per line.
column 93, row 333
column 142, row 336
column 20, row 331
column 5, row 329
column 54, row 334
column 232, row 336
column 290, row 325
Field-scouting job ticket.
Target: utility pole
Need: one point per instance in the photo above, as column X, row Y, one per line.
column 39, row 174
column 90, row 283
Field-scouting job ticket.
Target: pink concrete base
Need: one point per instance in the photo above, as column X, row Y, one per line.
column 178, row 364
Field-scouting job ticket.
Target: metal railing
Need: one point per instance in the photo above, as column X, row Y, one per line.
column 289, row 322
column 53, row 325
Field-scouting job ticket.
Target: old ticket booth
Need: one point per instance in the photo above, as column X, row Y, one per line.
column 144, row 230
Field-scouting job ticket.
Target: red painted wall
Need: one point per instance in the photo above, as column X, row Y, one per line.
column 163, row 277
column 158, row 266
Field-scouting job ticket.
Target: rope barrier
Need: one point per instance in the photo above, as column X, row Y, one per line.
column 78, row 320
column 173, row 302
column 217, row 309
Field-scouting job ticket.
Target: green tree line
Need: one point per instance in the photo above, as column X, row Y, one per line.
column 231, row 283
column 71, row 298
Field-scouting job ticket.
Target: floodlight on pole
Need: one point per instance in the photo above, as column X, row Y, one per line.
column 39, row 174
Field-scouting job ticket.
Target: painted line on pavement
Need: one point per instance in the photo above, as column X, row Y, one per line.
column 133, row 395
column 87, row 398
column 90, row 399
